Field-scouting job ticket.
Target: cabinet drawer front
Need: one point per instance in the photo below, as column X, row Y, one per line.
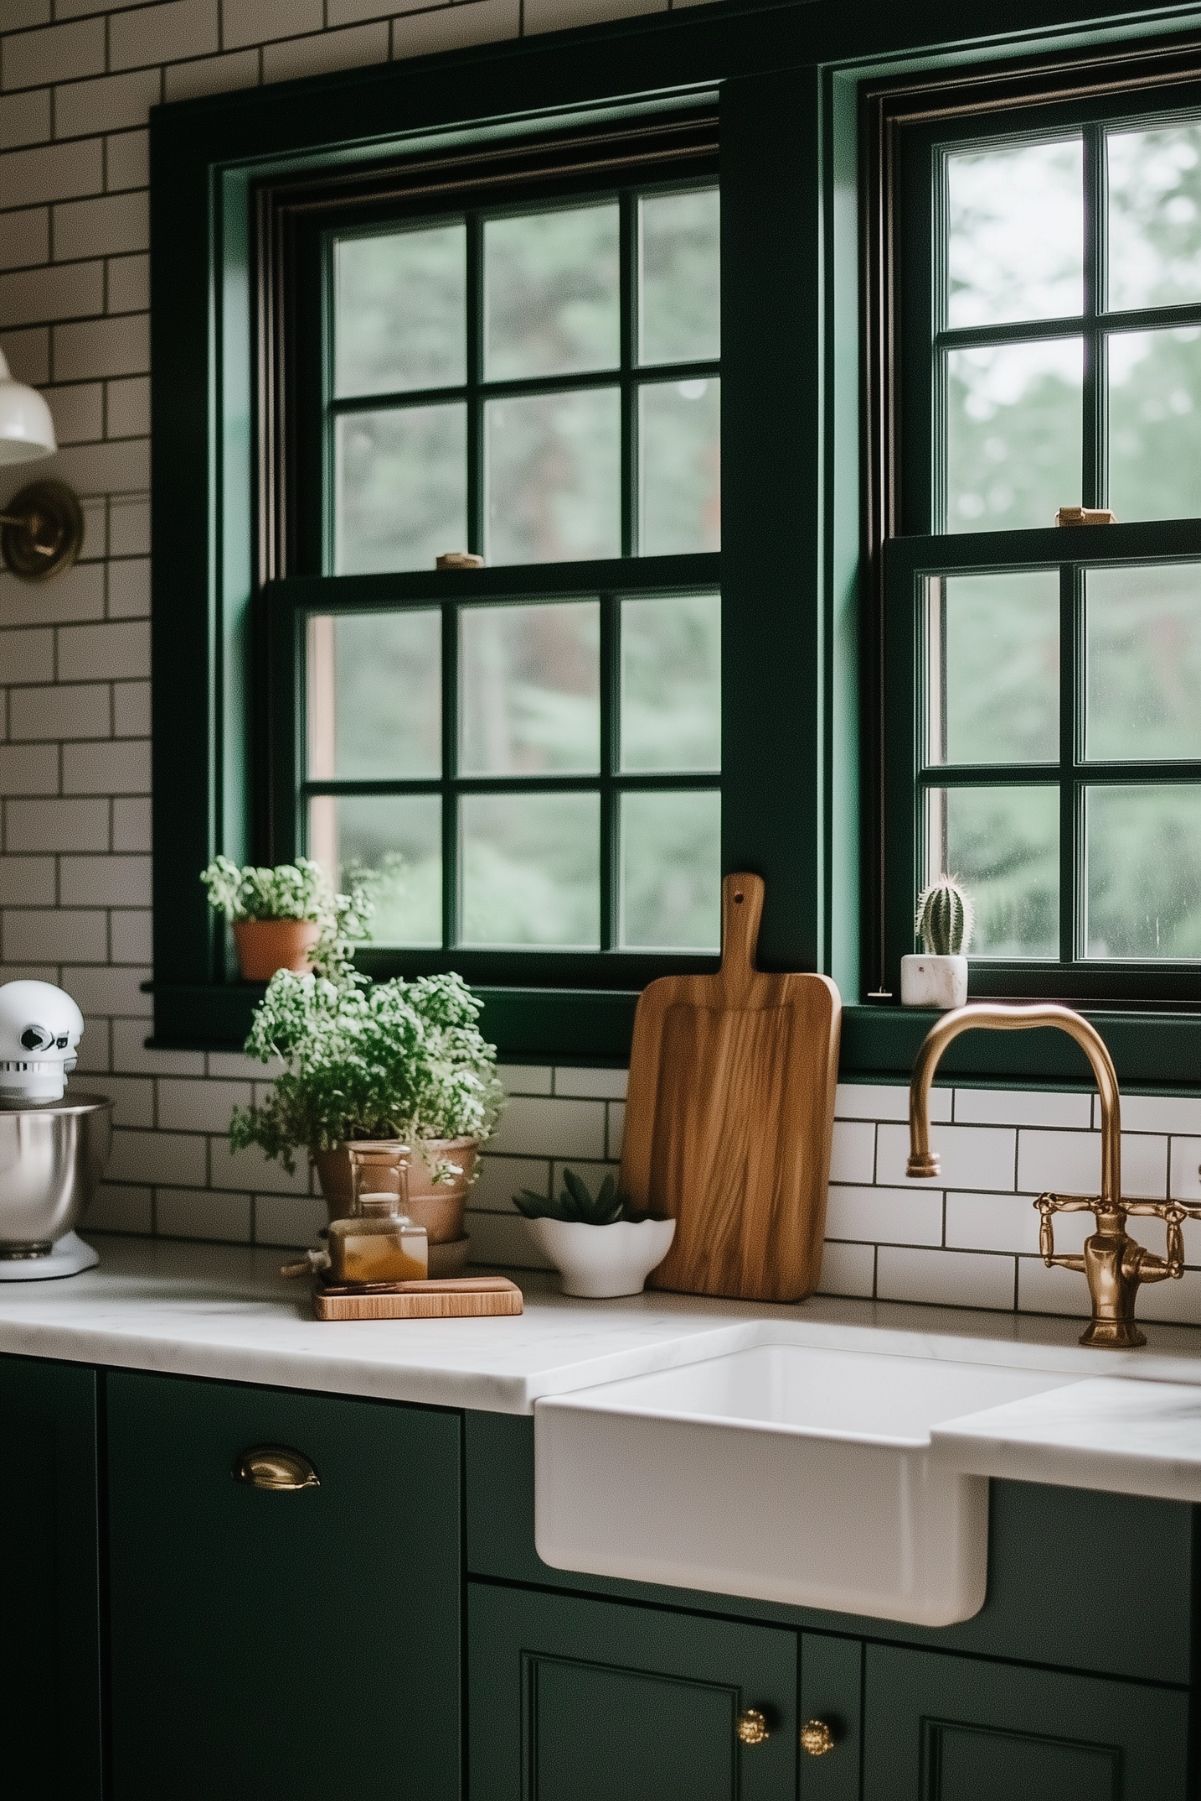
column 282, row 1641
column 959, row 1729
column 591, row 1701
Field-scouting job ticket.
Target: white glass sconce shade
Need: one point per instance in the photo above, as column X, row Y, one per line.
column 26, row 428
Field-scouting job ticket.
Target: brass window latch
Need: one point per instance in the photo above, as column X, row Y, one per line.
column 1085, row 516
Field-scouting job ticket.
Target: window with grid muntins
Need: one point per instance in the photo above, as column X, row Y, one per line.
column 1050, row 312
column 530, row 750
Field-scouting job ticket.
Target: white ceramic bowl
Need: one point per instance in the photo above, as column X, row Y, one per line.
column 598, row 1262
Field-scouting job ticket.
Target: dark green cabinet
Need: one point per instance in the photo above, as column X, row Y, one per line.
column 50, row 1685
column 580, row 1700
column 282, row 1645
column 959, row 1729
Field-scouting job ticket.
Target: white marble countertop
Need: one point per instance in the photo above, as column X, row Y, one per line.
column 225, row 1312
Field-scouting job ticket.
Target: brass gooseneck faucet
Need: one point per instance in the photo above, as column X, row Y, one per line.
column 1114, row 1264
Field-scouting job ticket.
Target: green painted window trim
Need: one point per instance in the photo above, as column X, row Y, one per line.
column 786, row 78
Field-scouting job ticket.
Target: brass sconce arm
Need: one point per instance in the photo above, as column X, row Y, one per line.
column 41, row 531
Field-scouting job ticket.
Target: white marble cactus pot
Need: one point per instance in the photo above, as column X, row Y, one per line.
column 598, row 1262
column 928, row 981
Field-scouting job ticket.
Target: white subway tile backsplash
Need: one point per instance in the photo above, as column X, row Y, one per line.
column 111, row 225
column 885, row 1100
column 28, row 656
column 1021, row 1107
column 251, row 1170
column 132, row 1097
column 131, row 709
column 36, row 296
column 56, row 825
column 25, row 119
column 1185, row 1182
column 256, row 21
column 615, row 1130
column 291, row 1221
column 117, row 991
column 500, row 1177
column 130, row 1053
column 104, row 652
column 25, row 237
column 211, row 75
column 884, row 1215
column 100, row 347
column 1158, row 1113
column 20, row 13
column 853, row 1151
column 107, row 103
column 129, row 292
column 944, row 1278
column 29, row 768
column 562, row 15
column 848, row 1269
column 1070, row 1163
column 552, row 1128
column 55, row 935
column 454, row 27
column 104, row 881
column 126, row 160
column 592, row 1084
column 78, row 411
column 119, row 1207
column 504, row 1239
column 131, row 824
column 158, row 1157
column 66, row 711
column 27, row 881
column 199, row 1106
column 164, row 33
column 52, row 172
column 115, row 766
column 1007, row 1222
column 65, row 51
column 972, row 1156
column 198, row 1213
column 526, row 1078
column 357, row 47
column 130, row 936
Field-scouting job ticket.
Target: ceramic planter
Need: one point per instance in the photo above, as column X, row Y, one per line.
column 938, row 982
column 438, row 1206
column 598, row 1262
column 267, row 945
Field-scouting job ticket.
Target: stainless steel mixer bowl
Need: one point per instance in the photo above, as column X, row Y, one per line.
column 52, row 1156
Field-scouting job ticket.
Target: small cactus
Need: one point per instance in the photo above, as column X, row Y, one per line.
column 945, row 918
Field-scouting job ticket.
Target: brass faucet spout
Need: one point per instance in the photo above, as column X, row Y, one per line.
column 923, row 1162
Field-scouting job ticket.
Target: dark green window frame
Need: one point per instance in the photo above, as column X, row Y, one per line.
column 1150, row 1012
column 807, row 93
column 612, row 164
column 237, row 526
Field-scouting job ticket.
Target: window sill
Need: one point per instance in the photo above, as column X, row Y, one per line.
column 1159, row 1051
column 1154, row 1050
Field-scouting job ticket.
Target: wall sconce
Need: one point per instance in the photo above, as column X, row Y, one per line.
column 41, row 529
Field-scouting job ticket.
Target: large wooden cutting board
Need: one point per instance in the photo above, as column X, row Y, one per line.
column 730, row 1116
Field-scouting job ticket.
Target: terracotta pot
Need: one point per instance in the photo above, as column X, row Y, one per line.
column 438, row 1206
column 265, row 945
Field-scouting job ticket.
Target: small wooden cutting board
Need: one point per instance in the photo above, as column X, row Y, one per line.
column 730, row 1116
column 466, row 1297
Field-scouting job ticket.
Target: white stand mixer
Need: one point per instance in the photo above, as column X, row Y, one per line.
column 52, row 1150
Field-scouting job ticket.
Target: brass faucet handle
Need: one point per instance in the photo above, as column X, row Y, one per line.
column 1173, row 1214
column 1049, row 1204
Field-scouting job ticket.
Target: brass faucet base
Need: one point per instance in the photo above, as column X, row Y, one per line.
column 1113, row 1334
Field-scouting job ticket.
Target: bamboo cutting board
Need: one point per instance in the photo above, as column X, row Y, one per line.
column 730, row 1116
column 469, row 1297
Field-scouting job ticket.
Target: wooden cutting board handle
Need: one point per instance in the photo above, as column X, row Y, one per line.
column 741, row 912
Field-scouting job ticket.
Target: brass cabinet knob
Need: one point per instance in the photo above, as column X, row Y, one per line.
column 752, row 1726
column 816, row 1738
column 276, row 1468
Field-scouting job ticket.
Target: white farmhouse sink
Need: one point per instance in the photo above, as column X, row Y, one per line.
column 782, row 1472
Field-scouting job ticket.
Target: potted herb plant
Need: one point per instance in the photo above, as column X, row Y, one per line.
column 371, row 1061
column 290, row 916
column 937, row 976
column 599, row 1243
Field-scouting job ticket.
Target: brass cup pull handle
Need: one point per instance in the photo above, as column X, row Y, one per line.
column 275, row 1468
column 753, row 1728
column 817, row 1738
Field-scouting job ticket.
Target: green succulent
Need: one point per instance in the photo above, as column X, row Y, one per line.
column 576, row 1203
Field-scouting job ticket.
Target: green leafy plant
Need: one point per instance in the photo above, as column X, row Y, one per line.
column 368, row 1060
column 945, row 918
column 577, row 1204
column 301, row 891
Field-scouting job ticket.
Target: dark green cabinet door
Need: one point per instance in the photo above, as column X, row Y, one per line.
column 276, row 1645
column 49, row 1592
column 576, row 1700
column 943, row 1728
